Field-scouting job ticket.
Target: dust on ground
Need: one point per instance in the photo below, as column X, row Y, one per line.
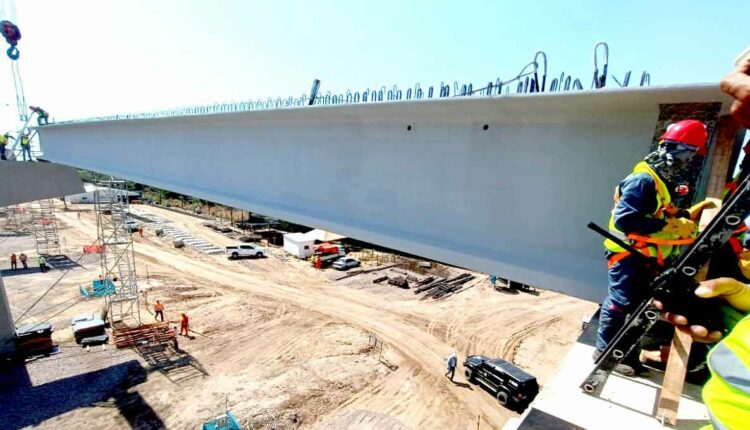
column 274, row 339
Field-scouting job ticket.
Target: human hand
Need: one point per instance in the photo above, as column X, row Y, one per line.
column 736, row 294
column 737, row 85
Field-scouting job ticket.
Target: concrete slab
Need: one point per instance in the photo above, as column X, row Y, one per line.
column 26, row 181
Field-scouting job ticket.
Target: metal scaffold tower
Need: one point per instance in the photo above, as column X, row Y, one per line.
column 117, row 259
column 44, row 226
column 16, row 218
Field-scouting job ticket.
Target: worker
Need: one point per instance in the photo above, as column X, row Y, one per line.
column 159, row 311
column 24, row 260
column 184, row 326
column 645, row 216
column 318, row 263
column 140, row 230
column 4, row 140
column 451, row 362
column 42, row 263
column 493, row 280
column 174, row 339
column 13, row 262
column 26, row 146
column 42, row 117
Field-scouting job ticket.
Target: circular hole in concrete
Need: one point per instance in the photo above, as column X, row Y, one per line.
column 408, row 127
column 486, row 127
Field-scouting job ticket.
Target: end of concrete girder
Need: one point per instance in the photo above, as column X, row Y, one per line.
column 27, row 181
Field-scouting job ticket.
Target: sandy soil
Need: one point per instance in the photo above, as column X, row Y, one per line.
column 281, row 339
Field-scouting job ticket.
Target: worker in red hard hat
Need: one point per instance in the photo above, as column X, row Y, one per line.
column 645, row 216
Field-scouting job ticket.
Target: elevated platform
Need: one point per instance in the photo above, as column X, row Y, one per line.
column 24, row 182
column 624, row 403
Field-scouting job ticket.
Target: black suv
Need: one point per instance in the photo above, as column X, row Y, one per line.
column 513, row 387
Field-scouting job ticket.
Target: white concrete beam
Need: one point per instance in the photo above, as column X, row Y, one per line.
column 426, row 177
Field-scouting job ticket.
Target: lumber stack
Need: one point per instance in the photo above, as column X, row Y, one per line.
column 128, row 337
column 443, row 287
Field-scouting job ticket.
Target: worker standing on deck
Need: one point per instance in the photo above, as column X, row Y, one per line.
column 184, row 325
column 4, row 140
column 26, row 146
column 159, row 311
column 13, row 262
column 645, row 216
column 24, row 260
column 42, row 263
column 42, row 117
column 452, row 361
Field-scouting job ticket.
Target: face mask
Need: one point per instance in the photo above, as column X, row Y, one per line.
column 671, row 161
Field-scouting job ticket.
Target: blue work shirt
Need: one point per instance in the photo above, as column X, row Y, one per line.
column 637, row 204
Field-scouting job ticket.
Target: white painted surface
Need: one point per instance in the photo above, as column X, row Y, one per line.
column 7, row 326
column 513, row 200
column 298, row 245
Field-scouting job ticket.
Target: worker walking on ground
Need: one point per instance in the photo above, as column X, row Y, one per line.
column 318, row 263
column 140, row 230
column 184, row 325
column 42, row 263
column 13, row 262
column 159, row 311
column 26, row 146
column 451, row 362
column 42, row 117
column 645, row 216
column 4, row 141
column 493, row 280
column 24, row 260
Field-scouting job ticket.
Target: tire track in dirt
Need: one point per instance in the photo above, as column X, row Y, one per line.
column 513, row 344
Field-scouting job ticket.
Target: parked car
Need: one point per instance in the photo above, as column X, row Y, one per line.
column 345, row 263
column 245, row 250
column 512, row 387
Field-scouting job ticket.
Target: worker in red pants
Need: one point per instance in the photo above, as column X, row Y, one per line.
column 184, row 327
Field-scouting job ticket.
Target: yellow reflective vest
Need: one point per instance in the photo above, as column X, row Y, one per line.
column 727, row 393
column 3, row 140
column 25, row 141
column 659, row 245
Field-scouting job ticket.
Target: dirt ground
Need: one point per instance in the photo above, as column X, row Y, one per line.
column 275, row 340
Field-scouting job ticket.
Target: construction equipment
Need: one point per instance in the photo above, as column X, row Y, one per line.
column 44, row 225
column 674, row 286
column 117, row 259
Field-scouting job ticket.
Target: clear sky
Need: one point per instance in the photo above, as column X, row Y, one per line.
column 89, row 58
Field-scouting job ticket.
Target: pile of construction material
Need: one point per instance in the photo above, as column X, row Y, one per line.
column 35, row 339
column 89, row 330
column 441, row 287
column 128, row 337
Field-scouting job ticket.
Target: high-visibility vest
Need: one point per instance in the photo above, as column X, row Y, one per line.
column 659, row 245
column 25, row 141
column 727, row 393
column 158, row 307
column 3, row 140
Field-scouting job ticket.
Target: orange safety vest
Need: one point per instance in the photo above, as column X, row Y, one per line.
column 658, row 245
column 158, row 307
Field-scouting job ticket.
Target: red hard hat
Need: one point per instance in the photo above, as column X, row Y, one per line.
column 688, row 132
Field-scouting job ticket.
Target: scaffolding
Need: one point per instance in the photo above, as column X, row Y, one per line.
column 44, row 226
column 16, row 218
column 117, row 259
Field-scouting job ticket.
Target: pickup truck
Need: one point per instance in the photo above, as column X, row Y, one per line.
column 245, row 250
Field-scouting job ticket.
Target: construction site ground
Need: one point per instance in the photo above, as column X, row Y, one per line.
column 274, row 339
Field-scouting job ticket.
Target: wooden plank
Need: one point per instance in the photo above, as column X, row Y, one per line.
column 719, row 172
column 674, row 377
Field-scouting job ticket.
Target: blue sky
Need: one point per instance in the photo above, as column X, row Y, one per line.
column 88, row 58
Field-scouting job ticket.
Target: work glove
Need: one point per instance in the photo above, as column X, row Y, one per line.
column 743, row 260
column 696, row 210
column 680, row 228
